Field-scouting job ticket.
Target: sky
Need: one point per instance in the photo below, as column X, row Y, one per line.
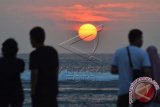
column 61, row 20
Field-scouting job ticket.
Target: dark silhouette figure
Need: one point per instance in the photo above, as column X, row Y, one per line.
column 11, row 91
column 155, row 67
column 44, row 71
column 121, row 66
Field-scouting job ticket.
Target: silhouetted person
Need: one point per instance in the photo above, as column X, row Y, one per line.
column 44, row 71
column 121, row 66
column 11, row 91
column 155, row 67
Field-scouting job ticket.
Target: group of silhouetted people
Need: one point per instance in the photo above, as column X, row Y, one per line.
column 44, row 66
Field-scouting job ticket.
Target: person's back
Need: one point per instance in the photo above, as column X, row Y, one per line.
column 11, row 91
column 10, row 81
column 138, row 57
column 45, row 58
column 44, row 71
column 121, row 65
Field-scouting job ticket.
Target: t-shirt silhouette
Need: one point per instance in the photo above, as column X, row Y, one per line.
column 10, row 82
column 45, row 59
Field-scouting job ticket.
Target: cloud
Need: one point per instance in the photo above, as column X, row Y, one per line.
column 76, row 13
column 81, row 13
column 101, row 11
column 96, row 13
column 117, row 5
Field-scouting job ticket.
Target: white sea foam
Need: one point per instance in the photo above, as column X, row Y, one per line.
column 79, row 76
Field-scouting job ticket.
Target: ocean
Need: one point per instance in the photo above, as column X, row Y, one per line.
column 82, row 82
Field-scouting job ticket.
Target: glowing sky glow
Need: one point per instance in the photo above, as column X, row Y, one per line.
column 62, row 18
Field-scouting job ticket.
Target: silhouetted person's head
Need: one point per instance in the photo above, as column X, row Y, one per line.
column 135, row 37
column 37, row 36
column 9, row 48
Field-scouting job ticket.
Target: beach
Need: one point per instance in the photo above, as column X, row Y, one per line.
column 82, row 83
column 82, row 94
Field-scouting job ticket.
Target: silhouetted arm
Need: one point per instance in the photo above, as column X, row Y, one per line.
column 146, row 65
column 147, row 71
column 33, row 65
column 34, row 79
column 114, row 66
column 57, row 70
column 21, row 66
column 114, row 69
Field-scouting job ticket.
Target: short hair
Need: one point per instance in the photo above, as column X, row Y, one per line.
column 134, row 34
column 9, row 48
column 37, row 34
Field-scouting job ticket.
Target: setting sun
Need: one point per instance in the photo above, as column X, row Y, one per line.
column 87, row 32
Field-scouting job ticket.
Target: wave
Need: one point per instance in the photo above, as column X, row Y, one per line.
column 78, row 76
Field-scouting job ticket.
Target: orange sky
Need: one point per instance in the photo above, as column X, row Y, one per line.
column 101, row 12
column 62, row 18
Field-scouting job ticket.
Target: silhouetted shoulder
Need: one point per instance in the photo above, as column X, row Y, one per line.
column 33, row 60
column 51, row 48
column 32, row 53
column 46, row 51
column 43, row 57
column 13, row 64
column 13, row 60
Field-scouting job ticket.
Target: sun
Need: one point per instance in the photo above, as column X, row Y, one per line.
column 87, row 32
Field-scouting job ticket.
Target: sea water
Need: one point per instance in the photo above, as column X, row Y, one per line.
column 80, row 89
column 80, row 83
column 77, row 76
